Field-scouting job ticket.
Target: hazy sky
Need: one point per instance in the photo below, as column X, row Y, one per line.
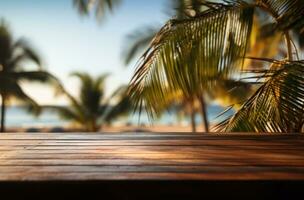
column 68, row 42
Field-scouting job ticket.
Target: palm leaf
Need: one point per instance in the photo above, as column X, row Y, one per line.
column 76, row 110
column 185, row 8
column 122, row 107
column 185, row 53
column 28, row 52
column 91, row 92
column 37, row 76
column 101, row 7
column 40, row 76
column 287, row 13
column 138, row 41
column 86, row 109
column 5, row 42
column 17, row 92
column 277, row 106
column 69, row 114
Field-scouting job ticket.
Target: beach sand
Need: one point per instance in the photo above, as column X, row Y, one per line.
column 111, row 129
column 158, row 128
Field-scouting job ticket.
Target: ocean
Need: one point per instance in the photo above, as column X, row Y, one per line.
column 18, row 117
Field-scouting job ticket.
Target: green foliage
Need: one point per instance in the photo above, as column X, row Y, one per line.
column 188, row 53
column 277, row 106
column 287, row 13
column 86, row 109
column 13, row 56
column 195, row 53
column 138, row 41
column 121, row 108
column 100, row 7
column 92, row 109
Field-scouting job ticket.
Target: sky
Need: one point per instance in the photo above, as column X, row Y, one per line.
column 68, row 42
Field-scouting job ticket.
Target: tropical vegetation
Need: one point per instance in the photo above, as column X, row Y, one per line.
column 245, row 54
column 193, row 54
column 99, row 7
column 91, row 110
column 14, row 57
column 228, row 91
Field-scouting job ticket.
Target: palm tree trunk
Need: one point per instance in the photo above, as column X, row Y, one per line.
column 94, row 126
column 3, row 109
column 193, row 122
column 204, row 113
column 289, row 46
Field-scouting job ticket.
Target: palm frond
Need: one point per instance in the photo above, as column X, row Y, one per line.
column 288, row 13
column 100, row 7
column 185, row 53
column 87, row 109
column 75, row 105
column 100, row 82
column 182, row 9
column 91, row 91
column 28, row 52
column 137, row 42
column 37, row 76
column 69, row 114
column 17, row 92
column 277, row 106
column 122, row 107
column 5, row 42
column 40, row 76
column 82, row 6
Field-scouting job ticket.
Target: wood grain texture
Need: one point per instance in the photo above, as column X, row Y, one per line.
column 148, row 156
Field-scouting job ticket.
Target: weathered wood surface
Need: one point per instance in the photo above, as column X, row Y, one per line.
column 139, row 156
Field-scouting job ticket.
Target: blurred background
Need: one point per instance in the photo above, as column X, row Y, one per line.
column 66, row 66
column 68, row 42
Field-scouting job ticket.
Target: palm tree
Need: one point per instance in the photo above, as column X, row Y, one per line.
column 100, row 7
column 185, row 106
column 189, row 54
column 86, row 110
column 140, row 39
column 91, row 109
column 225, row 92
column 121, row 107
column 13, row 57
column 277, row 106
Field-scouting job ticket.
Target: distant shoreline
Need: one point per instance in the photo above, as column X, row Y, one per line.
column 19, row 120
column 109, row 129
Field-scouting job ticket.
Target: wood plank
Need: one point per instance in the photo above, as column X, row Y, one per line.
column 237, row 174
column 167, row 142
column 151, row 157
column 165, row 151
column 151, row 162
column 135, row 168
column 100, row 147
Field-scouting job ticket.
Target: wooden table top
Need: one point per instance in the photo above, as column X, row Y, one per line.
column 143, row 156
